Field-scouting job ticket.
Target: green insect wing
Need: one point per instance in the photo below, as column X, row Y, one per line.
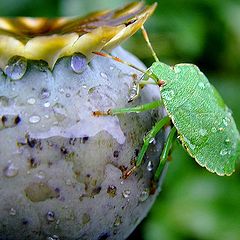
column 204, row 123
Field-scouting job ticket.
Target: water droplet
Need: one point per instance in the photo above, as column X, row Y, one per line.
column 50, row 216
column 103, row 75
column 150, row 166
column 61, row 90
column 78, row 63
column 16, row 67
column 126, row 193
column 54, row 237
column 34, row 119
column 168, row 95
column 152, row 140
column 221, row 129
column 214, row 129
column 68, row 95
column 68, row 182
column 226, row 121
column 144, row 195
column 31, row 101
column 227, row 140
column 12, row 212
column 223, row 152
column 44, row 93
column 47, row 104
column 201, row 85
column 11, row 170
column 112, row 67
column 84, row 86
column 118, row 221
column 203, row 132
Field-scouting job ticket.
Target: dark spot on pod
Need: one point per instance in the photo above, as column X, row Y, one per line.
column 17, row 120
column 116, row 154
column 104, row 236
column 112, row 190
column 136, row 152
column 25, row 221
column 33, row 162
column 96, row 191
column 64, row 150
column 4, row 119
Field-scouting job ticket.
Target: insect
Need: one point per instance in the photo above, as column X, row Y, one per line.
column 197, row 112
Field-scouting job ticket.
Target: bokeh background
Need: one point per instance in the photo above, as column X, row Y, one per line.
column 193, row 204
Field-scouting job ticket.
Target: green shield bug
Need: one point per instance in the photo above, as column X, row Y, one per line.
column 198, row 114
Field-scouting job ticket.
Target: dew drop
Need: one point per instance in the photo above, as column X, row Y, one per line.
column 103, row 75
column 177, row 70
column 54, row 237
column 68, row 95
column 12, row 212
column 16, row 67
column 11, row 170
column 223, row 152
column 117, row 221
column 126, row 193
column 227, row 140
column 112, row 190
column 203, row 132
column 168, row 95
column 152, row 140
column 226, row 121
column 34, row 119
column 191, row 146
column 214, row 129
column 150, row 166
column 111, row 67
column 144, row 195
column 78, row 62
column 50, row 216
column 47, row 104
column 61, row 90
column 221, row 129
column 201, row 85
column 31, row 101
column 41, row 174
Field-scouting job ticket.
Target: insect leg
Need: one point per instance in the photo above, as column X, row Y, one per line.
column 164, row 155
column 147, row 139
column 137, row 109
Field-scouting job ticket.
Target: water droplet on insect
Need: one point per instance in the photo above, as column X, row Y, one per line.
column 12, row 212
column 150, row 166
column 226, row 121
column 117, row 221
column 16, row 67
column 44, row 93
column 203, row 132
column 50, row 216
column 34, row 119
column 47, row 104
column 201, row 85
column 144, row 195
column 31, row 101
column 84, row 86
column 103, row 75
column 168, row 95
column 227, row 140
column 213, row 129
column 11, row 170
column 126, row 193
column 68, row 95
column 223, row 152
column 78, row 63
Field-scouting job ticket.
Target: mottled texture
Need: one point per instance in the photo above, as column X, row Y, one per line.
column 61, row 167
column 204, row 123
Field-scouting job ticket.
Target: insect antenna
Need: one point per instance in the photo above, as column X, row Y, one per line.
column 119, row 60
column 145, row 35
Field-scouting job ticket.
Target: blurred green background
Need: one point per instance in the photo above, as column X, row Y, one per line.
column 193, row 204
